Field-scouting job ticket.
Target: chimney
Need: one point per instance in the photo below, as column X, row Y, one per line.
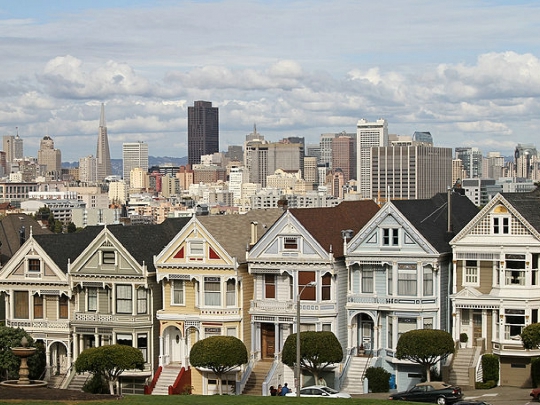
column 253, row 232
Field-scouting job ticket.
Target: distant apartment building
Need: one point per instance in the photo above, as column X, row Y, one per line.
column 208, row 174
column 134, row 154
column 458, row 172
column 480, row 191
column 139, row 179
column 185, row 176
column 368, row 135
column 237, row 177
column 310, row 172
column 203, row 130
column 493, row 166
column 410, row 172
column 88, row 169
column 118, row 192
column 472, row 160
column 15, row 192
column 170, row 186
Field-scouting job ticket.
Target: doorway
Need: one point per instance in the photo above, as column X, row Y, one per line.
column 268, row 343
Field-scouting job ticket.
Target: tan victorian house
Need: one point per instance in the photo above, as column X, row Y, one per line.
column 206, row 290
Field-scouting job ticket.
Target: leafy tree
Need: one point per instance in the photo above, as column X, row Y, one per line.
column 51, row 222
column 109, row 362
column 71, row 228
column 318, row 351
column 530, row 336
column 58, row 227
column 9, row 363
column 220, row 354
column 425, row 346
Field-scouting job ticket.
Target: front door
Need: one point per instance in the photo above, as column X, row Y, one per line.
column 268, row 343
column 366, row 328
column 477, row 326
column 176, row 347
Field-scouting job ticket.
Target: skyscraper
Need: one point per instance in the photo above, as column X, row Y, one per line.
column 472, row 160
column 368, row 135
column 103, row 156
column 13, row 146
column 134, row 155
column 203, row 131
column 344, row 156
column 49, row 158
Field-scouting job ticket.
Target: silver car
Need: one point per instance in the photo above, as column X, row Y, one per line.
column 319, row 391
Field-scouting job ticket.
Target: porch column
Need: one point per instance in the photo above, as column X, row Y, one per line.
column 277, row 337
column 48, row 365
column 75, row 346
column 160, row 357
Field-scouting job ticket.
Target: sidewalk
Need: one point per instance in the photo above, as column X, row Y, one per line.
column 494, row 396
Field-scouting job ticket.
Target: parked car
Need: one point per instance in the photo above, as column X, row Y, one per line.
column 319, row 391
column 435, row 391
column 535, row 393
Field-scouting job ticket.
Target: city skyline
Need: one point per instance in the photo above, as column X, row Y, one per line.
column 467, row 71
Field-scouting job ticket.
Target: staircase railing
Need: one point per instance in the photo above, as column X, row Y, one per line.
column 245, row 376
column 150, row 387
column 183, row 380
column 268, row 379
column 70, row 373
column 339, row 380
column 368, row 362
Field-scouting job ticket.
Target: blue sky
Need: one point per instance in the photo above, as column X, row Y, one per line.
column 468, row 71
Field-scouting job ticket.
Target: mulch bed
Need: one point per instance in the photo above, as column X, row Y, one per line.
column 50, row 394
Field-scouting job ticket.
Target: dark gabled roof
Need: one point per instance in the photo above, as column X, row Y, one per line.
column 66, row 247
column 233, row 232
column 326, row 224
column 145, row 241
column 142, row 241
column 528, row 205
column 10, row 238
column 430, row 217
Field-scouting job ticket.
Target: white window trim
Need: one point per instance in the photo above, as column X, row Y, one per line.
column 464, row 275
column 33, row 273
column 194, row 242
column 176, row 304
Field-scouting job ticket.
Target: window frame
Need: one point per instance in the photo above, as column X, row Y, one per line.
column 178, row 290
column 390, row 237
column 291, row 243
column 92, row 299
column 215, row 293
column 120, row 301
column 195, row 248
column 108, row 257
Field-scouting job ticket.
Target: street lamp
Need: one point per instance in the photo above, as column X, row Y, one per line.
column 310, row 284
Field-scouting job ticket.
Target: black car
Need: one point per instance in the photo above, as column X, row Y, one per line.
column 435, row 391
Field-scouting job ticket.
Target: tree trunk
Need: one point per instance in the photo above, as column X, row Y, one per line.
column 428, row 374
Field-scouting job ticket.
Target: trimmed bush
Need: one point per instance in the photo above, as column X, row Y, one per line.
column 378, row 379
column 96, row 385
column 485, row 385
column 535, row 371
column 490, row 367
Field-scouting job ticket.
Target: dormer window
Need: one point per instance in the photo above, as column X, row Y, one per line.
column 33, row 267
column 108, row 257
column 290, row 243
column 196, row 248
column 501, row 225
column 390, row 237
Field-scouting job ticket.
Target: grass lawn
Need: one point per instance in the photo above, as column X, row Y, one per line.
column 211, row 400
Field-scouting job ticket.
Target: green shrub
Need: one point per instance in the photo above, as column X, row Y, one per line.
column 96, row 385
column 535, row 371
column 490, row 367
column 485, row 385
column 378, row 379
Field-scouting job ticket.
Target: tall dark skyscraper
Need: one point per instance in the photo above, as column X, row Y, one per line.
column 103, row 155
column 203, row 131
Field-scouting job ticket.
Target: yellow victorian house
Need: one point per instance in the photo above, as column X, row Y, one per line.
column 206, row 292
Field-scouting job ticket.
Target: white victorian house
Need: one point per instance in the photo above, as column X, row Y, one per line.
column 496, row 284
column 400, row 268
column 301, row 259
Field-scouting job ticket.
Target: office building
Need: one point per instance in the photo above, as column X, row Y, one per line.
column 103, row 155
column 344, row 156
column 472, row 161
column 13, row 147
column 368, row 135
column 410, row 172
column 526, row 161
column 203, row 131
column 134, row 155
column 311, row 175
column 262, row 158
column 49, row 158
column 493, row 166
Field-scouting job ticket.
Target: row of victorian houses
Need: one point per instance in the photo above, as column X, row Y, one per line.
column 366, row 273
